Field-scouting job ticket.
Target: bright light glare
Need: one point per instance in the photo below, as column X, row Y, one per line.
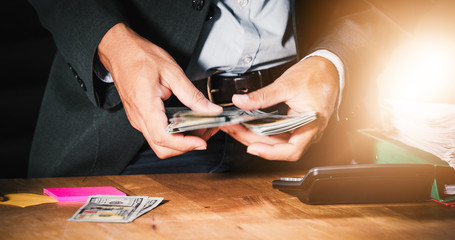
column 420, row 70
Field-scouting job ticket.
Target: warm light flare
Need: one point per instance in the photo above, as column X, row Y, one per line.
column 420, row 71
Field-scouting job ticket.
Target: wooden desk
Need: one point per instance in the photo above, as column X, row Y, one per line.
column 220, row 206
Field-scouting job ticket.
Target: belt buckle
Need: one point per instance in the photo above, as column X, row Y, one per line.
column 240, row 84
column 210, row 91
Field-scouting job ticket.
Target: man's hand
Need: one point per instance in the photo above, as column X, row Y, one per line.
column 145, row 75
column 310, row 85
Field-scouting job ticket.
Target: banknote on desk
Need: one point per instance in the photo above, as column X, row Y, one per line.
column 259, row 122
column 109, row 208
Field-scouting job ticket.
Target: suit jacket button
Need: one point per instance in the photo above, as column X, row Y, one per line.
column 81, row 83
column 198, row 4
column 79, row 80
column 72, row 69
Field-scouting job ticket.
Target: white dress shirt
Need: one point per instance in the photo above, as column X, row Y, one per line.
column 241, row 36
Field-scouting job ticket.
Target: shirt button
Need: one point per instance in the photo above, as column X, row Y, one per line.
column 247, row 59
column 242, row 3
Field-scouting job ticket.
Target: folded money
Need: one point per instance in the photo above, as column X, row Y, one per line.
column 276, row 124
column 111, row 208
column 258, row 121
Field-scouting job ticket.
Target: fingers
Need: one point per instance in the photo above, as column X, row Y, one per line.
column 145, row 75
column 165, row 151
column 261, row 98
column 246, row 137
column 292, row 150
column 166, row 145
column 279, row 152
column 191, row 97
column 283, row 147
column 205, row 134
column 310, row 85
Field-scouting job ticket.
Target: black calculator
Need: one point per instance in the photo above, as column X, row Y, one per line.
column 362, row 183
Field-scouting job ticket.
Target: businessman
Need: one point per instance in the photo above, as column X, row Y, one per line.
column 121, row 64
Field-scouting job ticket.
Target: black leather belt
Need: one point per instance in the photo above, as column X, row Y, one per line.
column 219, row 88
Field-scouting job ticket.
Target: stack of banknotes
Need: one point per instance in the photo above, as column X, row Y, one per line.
column 259, row 122
column 109, row 208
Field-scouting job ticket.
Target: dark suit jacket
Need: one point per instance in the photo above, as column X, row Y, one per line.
column 83, row 129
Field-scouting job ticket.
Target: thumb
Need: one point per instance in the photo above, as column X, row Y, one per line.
column 261, row 98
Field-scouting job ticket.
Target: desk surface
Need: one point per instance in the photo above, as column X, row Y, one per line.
column 220, row 206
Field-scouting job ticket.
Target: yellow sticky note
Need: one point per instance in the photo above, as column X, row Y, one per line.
column 26, row 199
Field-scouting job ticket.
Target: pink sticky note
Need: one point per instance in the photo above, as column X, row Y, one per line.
column 80, row 193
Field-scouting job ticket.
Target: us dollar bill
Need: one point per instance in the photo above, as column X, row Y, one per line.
column 260, row 122
column 276, row 124
column 107, row 208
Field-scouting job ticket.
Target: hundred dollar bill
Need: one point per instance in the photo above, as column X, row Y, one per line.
column 106, row 208
column 188, row 120
column 276, row 124
column 257, row 121
column 151, row 203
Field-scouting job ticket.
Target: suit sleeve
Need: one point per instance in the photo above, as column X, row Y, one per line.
column 77, row 28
